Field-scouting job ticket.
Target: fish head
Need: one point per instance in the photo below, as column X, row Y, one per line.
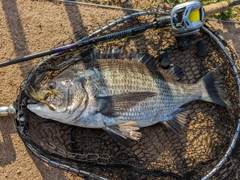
column 63, row 98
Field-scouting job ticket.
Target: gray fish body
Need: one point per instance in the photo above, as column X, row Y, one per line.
column 122, row 95
column 115, row 77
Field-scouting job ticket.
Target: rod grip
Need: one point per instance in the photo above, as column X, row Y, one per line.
column 216, row 8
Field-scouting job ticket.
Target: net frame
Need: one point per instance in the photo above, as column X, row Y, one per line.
column 39, row 152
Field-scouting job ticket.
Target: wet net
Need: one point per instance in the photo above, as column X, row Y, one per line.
column 197, row 152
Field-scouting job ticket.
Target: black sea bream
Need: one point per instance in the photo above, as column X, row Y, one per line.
column 121, row 95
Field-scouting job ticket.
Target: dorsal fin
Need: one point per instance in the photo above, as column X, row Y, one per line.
column 120, row 53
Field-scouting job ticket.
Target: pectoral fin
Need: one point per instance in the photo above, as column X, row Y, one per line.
column 121, row 132
column 114, row 106
column 175, row 72
column 178, row 122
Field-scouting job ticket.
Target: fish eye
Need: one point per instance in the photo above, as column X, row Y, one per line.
column 51, row 85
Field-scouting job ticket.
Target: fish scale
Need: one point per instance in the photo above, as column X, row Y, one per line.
column 137, row 76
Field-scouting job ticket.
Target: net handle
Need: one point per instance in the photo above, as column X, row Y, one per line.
column 7, row 111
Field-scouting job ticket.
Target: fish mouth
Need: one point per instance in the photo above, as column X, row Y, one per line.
column 34, row 103
column 34, row 106
column 41, row 110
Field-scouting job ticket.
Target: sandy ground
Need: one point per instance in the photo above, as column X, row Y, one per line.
column 28, row 26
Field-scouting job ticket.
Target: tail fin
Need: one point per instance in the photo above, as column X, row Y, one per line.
column 213, row 92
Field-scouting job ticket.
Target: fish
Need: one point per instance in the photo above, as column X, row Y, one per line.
column 122, row 95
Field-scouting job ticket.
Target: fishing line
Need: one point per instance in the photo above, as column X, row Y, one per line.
column 100, row 5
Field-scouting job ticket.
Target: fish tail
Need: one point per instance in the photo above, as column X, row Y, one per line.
column 212, row 91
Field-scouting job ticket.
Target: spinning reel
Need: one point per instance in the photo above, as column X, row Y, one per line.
column 186, row 20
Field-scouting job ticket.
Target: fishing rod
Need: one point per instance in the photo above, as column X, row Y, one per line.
column 84, row 41
column 185, row 19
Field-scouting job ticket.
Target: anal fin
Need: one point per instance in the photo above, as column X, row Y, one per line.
column 121, row 132
column 179, row 120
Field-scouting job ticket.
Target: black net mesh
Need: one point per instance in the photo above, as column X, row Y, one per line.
column 160, row 154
